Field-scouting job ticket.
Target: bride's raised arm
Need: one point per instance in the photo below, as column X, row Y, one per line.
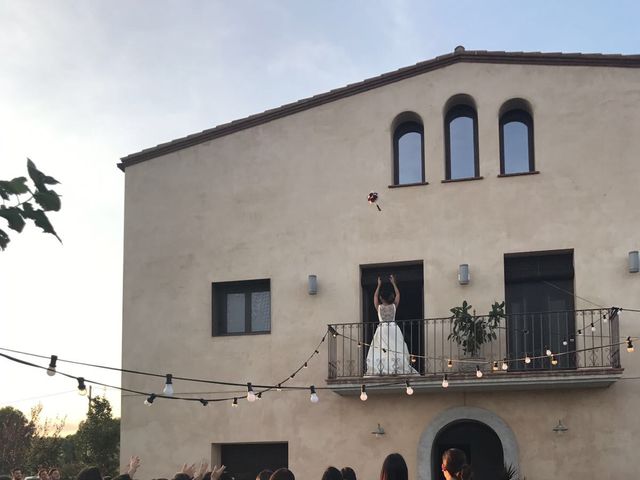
column 396, row 300
column 376, row 295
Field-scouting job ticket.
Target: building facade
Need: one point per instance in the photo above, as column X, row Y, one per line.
column 501, row 177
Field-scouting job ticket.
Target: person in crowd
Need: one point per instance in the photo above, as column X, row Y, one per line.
column 16, row 474
column 348, row 473
column 454, row 465
column 93, row 473
column 283, row 474
column 189, row 472
column 332, row 473
column 394, row 468
column 54, row 474
column 43, row 474
column 264, row 474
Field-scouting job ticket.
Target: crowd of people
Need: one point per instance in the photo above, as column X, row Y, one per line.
column 394, row 467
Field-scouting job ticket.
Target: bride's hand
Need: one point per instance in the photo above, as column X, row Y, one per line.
column 379, row 281
column 392, row 278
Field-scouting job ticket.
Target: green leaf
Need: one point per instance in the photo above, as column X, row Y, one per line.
column 16, row 186
column 48, row 200
column 39, row 178
column 39, row 218
column 4, row 239
column 13, row 215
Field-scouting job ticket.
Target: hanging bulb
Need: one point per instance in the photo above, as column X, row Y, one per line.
column 363, row 393
column 314, row 396
column 168, row 385
column 495, row 366
column 292, row 375
column 359, row 344
column 235, row 403
column 505, row 365
column 548, row 352
column 333, row 332
column 51, row 371
column 259, row 395
column 409, row 388
column 251, row 396
column 305, row 365
column 478, row 371
column 593, row 327
column 279, row 387
column 204, row 402
column 605, row 318
column 445, row 381
column 579, row 332
column 149, row 400
column 413, row 359
column 630, row 348
column 527, row 359
column 554, row 360
column 82, row 389
column 449, row 364
column 564, row 342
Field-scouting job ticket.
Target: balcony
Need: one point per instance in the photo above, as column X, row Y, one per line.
column 584, row 347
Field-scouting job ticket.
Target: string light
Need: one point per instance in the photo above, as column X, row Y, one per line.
column 314, row 396
column 495, row 366
column 554, row 360
column 564, row 342
column 51, row 371
column 505, row 365
column 478, row 371
column 234, row 404
column 548, row 352
column 168, row 385
column 149, row 401
column 333, row 331
column 259, row 395
column 413, row 359
column 279, row 387
column 409, row 388
column 251, row 396
column 82, row 389
column 580, row 332
column 593, row 327
column 449, row 364
column 445, row 381
column 359, row 344
column 363, row 393
column 204, row 402
column 305, row 365
column 527, row 359
column 630, row 348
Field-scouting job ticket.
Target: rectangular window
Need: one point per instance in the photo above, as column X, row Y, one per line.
column 245, row 460
column 241, row 307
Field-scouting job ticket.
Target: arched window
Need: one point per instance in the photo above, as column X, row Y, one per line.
column 461, row 142
column 516, row 142
column 408, row 151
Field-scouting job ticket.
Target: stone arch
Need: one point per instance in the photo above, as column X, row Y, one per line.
column 455, row 414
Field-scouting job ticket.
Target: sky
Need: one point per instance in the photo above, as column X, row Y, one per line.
column 83, row 83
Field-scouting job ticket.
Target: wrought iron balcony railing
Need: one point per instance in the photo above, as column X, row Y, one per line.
column 531, row 342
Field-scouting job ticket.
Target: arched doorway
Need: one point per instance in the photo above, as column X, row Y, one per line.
column 481, row 444
column 454, row 415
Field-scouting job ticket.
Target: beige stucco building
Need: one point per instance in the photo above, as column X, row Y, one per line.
column 550, row 143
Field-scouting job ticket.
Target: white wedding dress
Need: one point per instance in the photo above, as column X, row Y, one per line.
column 388, row 353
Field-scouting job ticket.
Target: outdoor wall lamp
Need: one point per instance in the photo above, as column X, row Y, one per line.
column 313, row 284
column 378, row 432
column 634, row 261
column 560, row 428
column 463, row 274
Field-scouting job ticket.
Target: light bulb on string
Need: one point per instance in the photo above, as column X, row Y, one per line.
column 251, row 396
column 450, row 364
column 505, row 365
column 478, row 371
column 554, row 360
column 359, row 344
column 168, row 385
column 409, row 388
column 413, row 359
column 149, row 400
column 51, row 371
column 259, row 395
column 363, row 393
column 527, row 359
column 279, row 387
column 564, row 342
column 305, row 365
column 630, row 348
column 593, row 327
column 580, row 332
column 234, row 404
column 445, row 381
column 82, row 389
column 605, row 318
column 548, row 352
column 495, row 366
column 204, row 402
column 314, row 396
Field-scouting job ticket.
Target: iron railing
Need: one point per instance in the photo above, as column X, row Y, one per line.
column 580, row 339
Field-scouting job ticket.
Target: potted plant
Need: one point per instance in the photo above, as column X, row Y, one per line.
column 471, row 331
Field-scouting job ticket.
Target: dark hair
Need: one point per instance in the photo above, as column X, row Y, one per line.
column 40, row 470
column 207, row 476
column 264, row 474
column 454, row 461
column 332, row 473
column 16, row 469
column 394, row 468
column 54, row 469
column 348, row 473
column 180, row 476
column 89, row 473
column 387, row 294
column 283, row 474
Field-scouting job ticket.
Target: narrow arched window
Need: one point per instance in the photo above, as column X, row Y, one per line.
column 408, row 152
column 461, row 143
column 516, row 142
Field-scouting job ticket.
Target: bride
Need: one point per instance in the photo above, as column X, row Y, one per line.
column 388, row 353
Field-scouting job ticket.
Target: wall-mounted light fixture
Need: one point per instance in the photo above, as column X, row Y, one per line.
column 560, row 428
column 378, row 432
column 464, row 277
column 313, row 284
column 634, row 261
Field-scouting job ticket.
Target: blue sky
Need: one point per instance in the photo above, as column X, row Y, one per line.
column 85, row 82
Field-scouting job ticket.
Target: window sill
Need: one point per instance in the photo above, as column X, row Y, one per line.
column 409, row 185
column 468, row 179
column 240, row 334
column 519, row 174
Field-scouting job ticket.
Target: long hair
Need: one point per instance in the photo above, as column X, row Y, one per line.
column 348, row 473
column 283, row 474
column 394, row 468
column 332, row 473
column 454, row 461
column 264, row 474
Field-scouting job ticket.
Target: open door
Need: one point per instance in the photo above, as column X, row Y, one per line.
column 410, row 313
